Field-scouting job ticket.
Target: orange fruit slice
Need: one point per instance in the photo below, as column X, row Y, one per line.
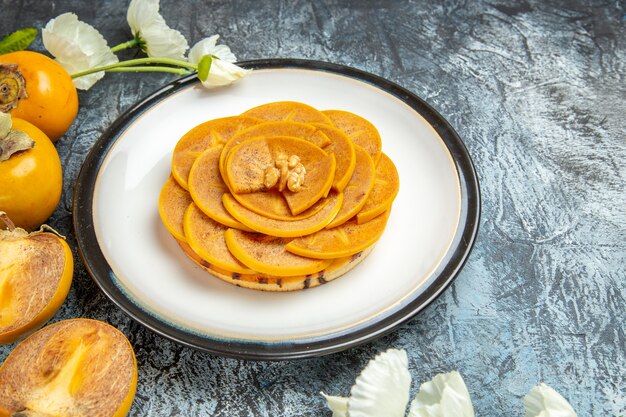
column 248, row 162
column 359, row 130
column 206, row 238
column 267, row 282
column 267, row 254
column 284, row 228
column 356, row 192
column 344, row 240
column 197, row 140
column 386, row 186
column 272, row 204
column 77, row 367
column 36, row 272
column 206, row 188
column 343, row 149
column 173, row 201
column 287, row 111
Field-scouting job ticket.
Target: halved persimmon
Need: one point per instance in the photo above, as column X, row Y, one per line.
column 344, row 240
column 197, row 140
column 78, row 367
column 359, row 130
column 173, row 201
column 386, row 186
column 267, row 254
column 287, row 111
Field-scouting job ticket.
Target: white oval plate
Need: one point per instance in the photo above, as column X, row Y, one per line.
column 138, row 264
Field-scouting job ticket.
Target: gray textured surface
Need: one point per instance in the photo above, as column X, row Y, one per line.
column 536, row 91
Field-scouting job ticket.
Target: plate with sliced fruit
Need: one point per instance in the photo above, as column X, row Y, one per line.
column 308, row 208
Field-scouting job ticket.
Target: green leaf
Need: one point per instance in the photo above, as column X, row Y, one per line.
column 204, row 66
column 18, row 40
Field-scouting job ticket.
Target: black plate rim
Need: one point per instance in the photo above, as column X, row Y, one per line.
column 98, row 268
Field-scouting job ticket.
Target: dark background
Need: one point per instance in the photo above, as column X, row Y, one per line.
column 537, row 92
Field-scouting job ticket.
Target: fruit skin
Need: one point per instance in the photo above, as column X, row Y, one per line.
column 31, row 181
column 52, row 102
column 55, row 302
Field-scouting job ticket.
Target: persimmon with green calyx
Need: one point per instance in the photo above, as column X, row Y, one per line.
column 31, row 179
column 36, row 271
column 77, row 367
column 35, row 88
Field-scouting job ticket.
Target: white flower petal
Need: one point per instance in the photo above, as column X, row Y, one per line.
column 223, row 73
column 208, row 46
column 444, row 396
column 543, row 401
column 77, row 46
column 158, row 39
column 338, row 405
column 382, row 389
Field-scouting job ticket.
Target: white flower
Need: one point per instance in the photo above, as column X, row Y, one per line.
column 444, row 396
column 223, row 73
column 155, row 38
column 543, row 401
column 77, row 46
column 208, row 46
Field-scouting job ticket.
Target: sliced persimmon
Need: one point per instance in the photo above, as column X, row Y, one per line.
column 173, row 201
column 77, row 367
column 283, row 228
column 267, row 254
column 36, row 271
column 206, row 135
column 268, row 282
column 343, row 149
column 206, row 238
column 206, row 188
column 359, row 130
column 356, row 192
column 247, row 165
column 272, row 204
column 287, row 111
column 386, row 186
column 344, row 240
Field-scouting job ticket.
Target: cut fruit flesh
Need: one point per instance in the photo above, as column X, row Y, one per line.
column 206, row 188
column 36, row 272
column 267, row 282
column 77, row 367
column 272, row 204
column 173, row 201
column 282, row 228
column 359, row 130
column 267, row 254
column 206, row 238
column 386, row 186
column 248, row 162
column 197, row 140
column 287, row 111
column 343, row 149
column 344, row 240
column 356, row 192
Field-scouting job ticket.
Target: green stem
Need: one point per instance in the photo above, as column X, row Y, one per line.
column 138, row 61
column 131, row 43
column 179, row 71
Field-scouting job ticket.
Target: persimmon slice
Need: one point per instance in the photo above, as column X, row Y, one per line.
column 344, row 240
column 248, row 162
column 78, row 367
column 287, row 111
column 206, row 238
column 272, row 204
column 356, row 192
column 197, row 140
column 386, row 186
column 268, row 282
column 343, row 149
column 173, row 201
column 284, row 228
column 206, row 188
column 267, row 254
column 359, row 130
